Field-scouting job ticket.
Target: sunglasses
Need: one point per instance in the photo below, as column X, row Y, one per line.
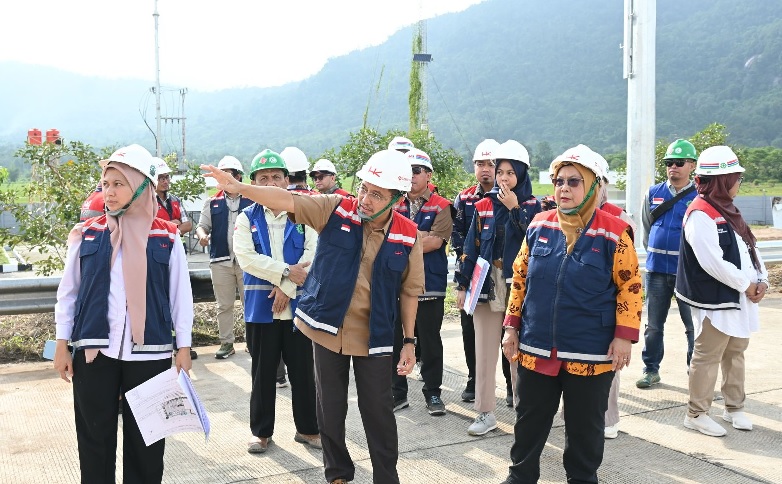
column 418, row 169
column 319, row 177
column 571, row 182
column 679, row 163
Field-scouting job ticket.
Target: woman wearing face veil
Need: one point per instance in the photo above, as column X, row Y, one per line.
column 574, row 311
column 496, row 234
column 124, row 289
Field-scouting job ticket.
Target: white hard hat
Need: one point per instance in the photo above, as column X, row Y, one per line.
column 161, row 166
column 295, row 159
column 417, row 157
column 323, row 165
column 230, row 163
column 387, row 169
column 137, row 157
column 400, row 143
column 718, row 160
column 602, row 163
column 581, row 155
column 512, row 150
column 485, row 150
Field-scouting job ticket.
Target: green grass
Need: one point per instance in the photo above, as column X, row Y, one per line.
column 3, row 256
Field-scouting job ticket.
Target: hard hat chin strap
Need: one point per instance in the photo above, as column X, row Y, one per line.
column 368, row 218
column 589, row 194
column 121, row 211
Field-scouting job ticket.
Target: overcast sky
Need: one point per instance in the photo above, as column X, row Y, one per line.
column 204, row 45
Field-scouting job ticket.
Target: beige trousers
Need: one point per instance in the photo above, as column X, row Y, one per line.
column 714, row 348
column 226, row 281
column 488, row 335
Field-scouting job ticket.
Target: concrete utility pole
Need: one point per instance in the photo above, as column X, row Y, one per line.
column 639, row 70
column 157, row 86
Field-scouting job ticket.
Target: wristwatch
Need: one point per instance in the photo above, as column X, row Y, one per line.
column 286, row 272
column 412, row 341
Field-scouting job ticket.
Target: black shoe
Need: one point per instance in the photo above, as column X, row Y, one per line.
column 400, row 403
column 509, row 397
column 435, row 406
column 468, row 395
column 282, row 382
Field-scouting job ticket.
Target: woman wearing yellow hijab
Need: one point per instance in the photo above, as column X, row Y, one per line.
column 574, row 311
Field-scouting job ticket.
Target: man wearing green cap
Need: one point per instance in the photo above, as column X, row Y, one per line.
column 662, row 215
column 274, row 254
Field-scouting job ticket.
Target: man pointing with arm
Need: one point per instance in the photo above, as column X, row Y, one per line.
column 371, row 253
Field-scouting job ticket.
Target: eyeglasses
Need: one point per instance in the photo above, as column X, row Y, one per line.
column 164, row 177
column 320, row 176
column 741, row 180
column 374, row 195
column 418, row 169
column 571, row 182
column 679, row 163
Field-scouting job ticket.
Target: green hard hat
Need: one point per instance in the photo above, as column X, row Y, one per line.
column 267, row 160
column 681, row 149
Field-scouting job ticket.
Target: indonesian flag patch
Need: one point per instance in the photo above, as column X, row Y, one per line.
column 345, row 227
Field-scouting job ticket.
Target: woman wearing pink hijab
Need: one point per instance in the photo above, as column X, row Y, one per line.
column 124, row 289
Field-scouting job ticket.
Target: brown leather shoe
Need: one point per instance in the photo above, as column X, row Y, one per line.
column 311, row 440
column 258, row 445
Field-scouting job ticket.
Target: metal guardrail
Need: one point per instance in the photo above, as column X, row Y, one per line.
column 38, row 294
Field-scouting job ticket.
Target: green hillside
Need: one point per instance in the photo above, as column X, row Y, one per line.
column 533, row 70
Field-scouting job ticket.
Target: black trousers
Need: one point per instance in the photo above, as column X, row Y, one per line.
column 586, row 401
column 373, row 386
column 428, row 321
column 96, row 387
column 268, row 341
column 468, row 339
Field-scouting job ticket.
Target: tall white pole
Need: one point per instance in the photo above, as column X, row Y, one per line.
column 157, row 86
column 639, row 64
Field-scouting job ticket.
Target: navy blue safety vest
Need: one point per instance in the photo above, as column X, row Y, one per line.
column 436, row 261
column 465, row 200
column 492, row 248
column 332, row 280
column 218, row 208
column 570, row 303
column 694, row 285
column 664, row 234
column 91, row 324
column 257, row 305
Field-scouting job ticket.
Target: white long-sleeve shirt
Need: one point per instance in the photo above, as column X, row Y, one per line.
column 120, row 344
column 270, row 268
column 701, row 233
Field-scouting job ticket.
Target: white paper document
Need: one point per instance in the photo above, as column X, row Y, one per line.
column 167, row 404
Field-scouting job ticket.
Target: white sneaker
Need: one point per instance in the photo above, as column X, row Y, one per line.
column 705, row 425
column 738, row 419
column 484, row 423
column 612, row 431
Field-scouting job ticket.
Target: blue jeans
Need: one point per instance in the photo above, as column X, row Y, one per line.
column 659, row 291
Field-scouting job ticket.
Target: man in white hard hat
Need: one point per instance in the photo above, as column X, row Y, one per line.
column 215, row 230
column 297, row 164
column 170, row 206
column 401, row 144
column 464, row 204
column 432, row 214
column 368, row 266
column 324, row 176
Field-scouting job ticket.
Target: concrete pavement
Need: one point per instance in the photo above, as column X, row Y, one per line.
column 38, row 442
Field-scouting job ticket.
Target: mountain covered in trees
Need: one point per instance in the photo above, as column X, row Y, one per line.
column 533, row 70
